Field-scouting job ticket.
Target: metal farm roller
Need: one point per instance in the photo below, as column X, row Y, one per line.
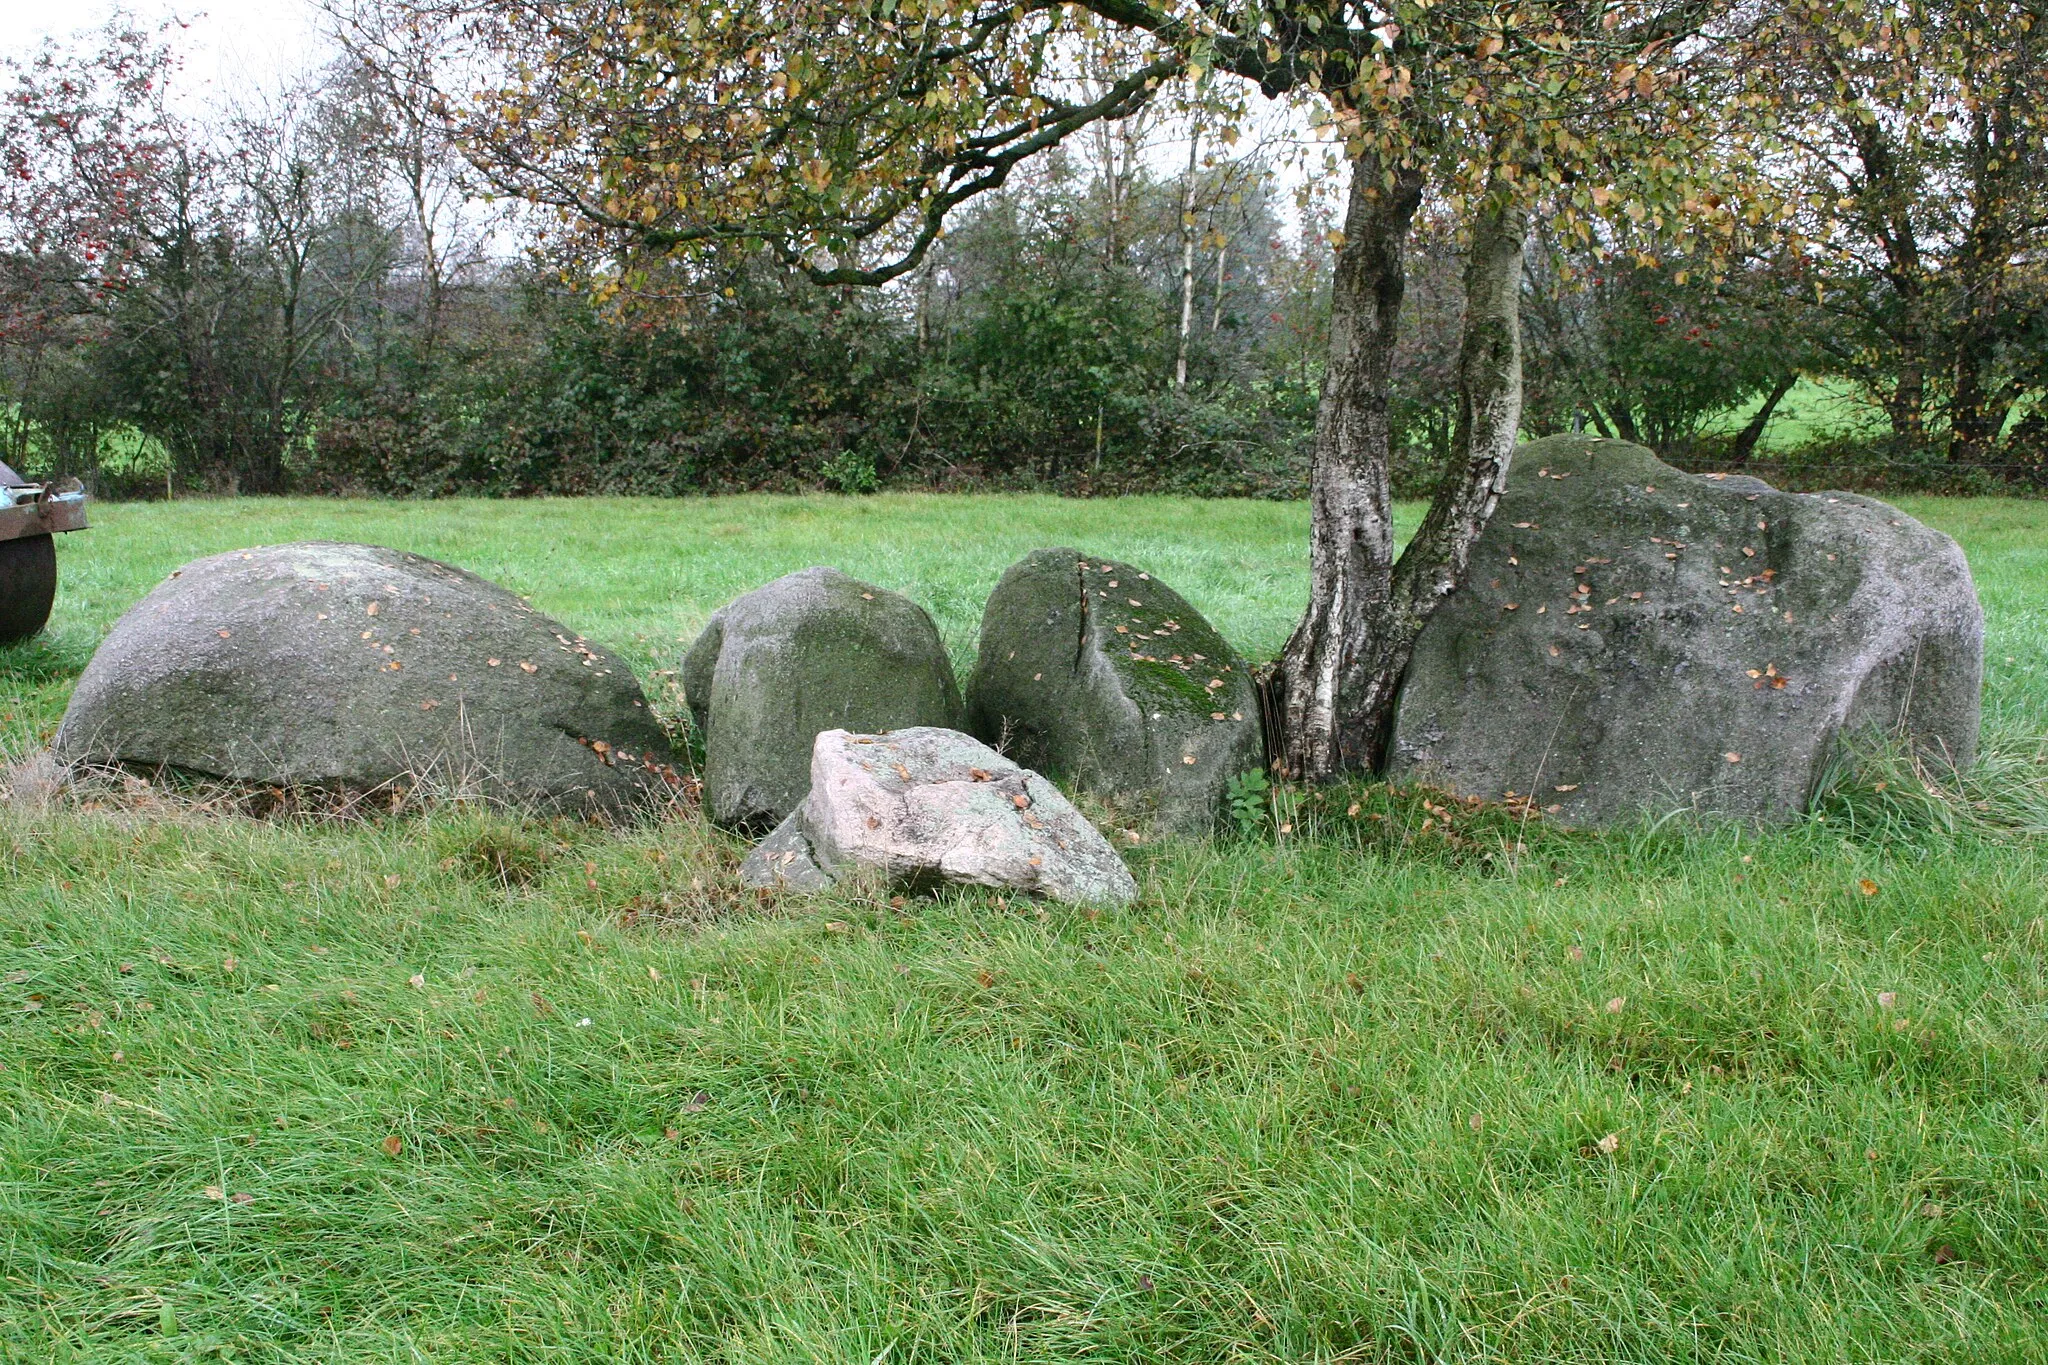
column 31, row 514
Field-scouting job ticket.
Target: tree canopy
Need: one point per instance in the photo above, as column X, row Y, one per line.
column 839, row 137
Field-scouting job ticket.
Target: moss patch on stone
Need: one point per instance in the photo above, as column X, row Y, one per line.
column 1095, row 672
column 1164, row 650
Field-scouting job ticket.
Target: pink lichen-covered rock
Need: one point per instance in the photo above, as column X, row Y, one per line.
column 926, row 805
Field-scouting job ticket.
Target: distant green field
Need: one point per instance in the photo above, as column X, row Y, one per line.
column 456, row 1086
column 1819, row 410
column 1814, row 410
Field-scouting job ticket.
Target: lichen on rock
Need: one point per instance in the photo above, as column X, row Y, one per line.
column 1094, row 671
column 358, row 667
column 812, row 651
column 927, row 805
column 1632, row 640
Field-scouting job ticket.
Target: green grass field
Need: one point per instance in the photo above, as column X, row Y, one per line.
column 1815, row 410
column 456, row 1086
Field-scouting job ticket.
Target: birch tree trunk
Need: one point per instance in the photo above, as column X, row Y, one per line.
column 1351, row 541
column 1187, row 262
column 1222, row 271
column 1341, row 672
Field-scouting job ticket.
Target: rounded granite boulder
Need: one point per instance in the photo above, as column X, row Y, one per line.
column 355, row 667
column 1097, row 673
column 1633, row 640
column 813, row 651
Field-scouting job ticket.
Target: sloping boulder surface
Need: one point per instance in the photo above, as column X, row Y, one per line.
column 354, row 666
column 925, row 805
column 812, row 651
column 1096, row 672
column 1634, row 640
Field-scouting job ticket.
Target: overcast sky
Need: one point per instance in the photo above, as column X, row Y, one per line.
column 226, row 43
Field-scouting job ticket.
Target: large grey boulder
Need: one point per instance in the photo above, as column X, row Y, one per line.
column 925, row 805
column 812, row 651
column 354, row 667
column 1096, row 672
column 1635, row 640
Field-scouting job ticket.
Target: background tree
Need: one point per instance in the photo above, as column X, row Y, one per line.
column 1650, row 353
column 84, row 147
column 1917, row 133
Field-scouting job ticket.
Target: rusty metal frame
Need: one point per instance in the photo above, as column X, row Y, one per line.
column 38, row 511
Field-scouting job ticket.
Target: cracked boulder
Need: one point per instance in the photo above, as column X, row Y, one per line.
column 1096, row 672
column 1632, row 640
column 923, row 806
column 357, row 668
column 812, row 651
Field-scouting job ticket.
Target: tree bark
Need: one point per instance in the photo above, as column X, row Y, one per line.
column 1489, row 419
column 1222, row 267
column 1351, row 541
column 1746, row 439
column 1906, row 405
column 1342, row 670
column 1976, row 417
column 1624, row 419
column 1187, row 262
